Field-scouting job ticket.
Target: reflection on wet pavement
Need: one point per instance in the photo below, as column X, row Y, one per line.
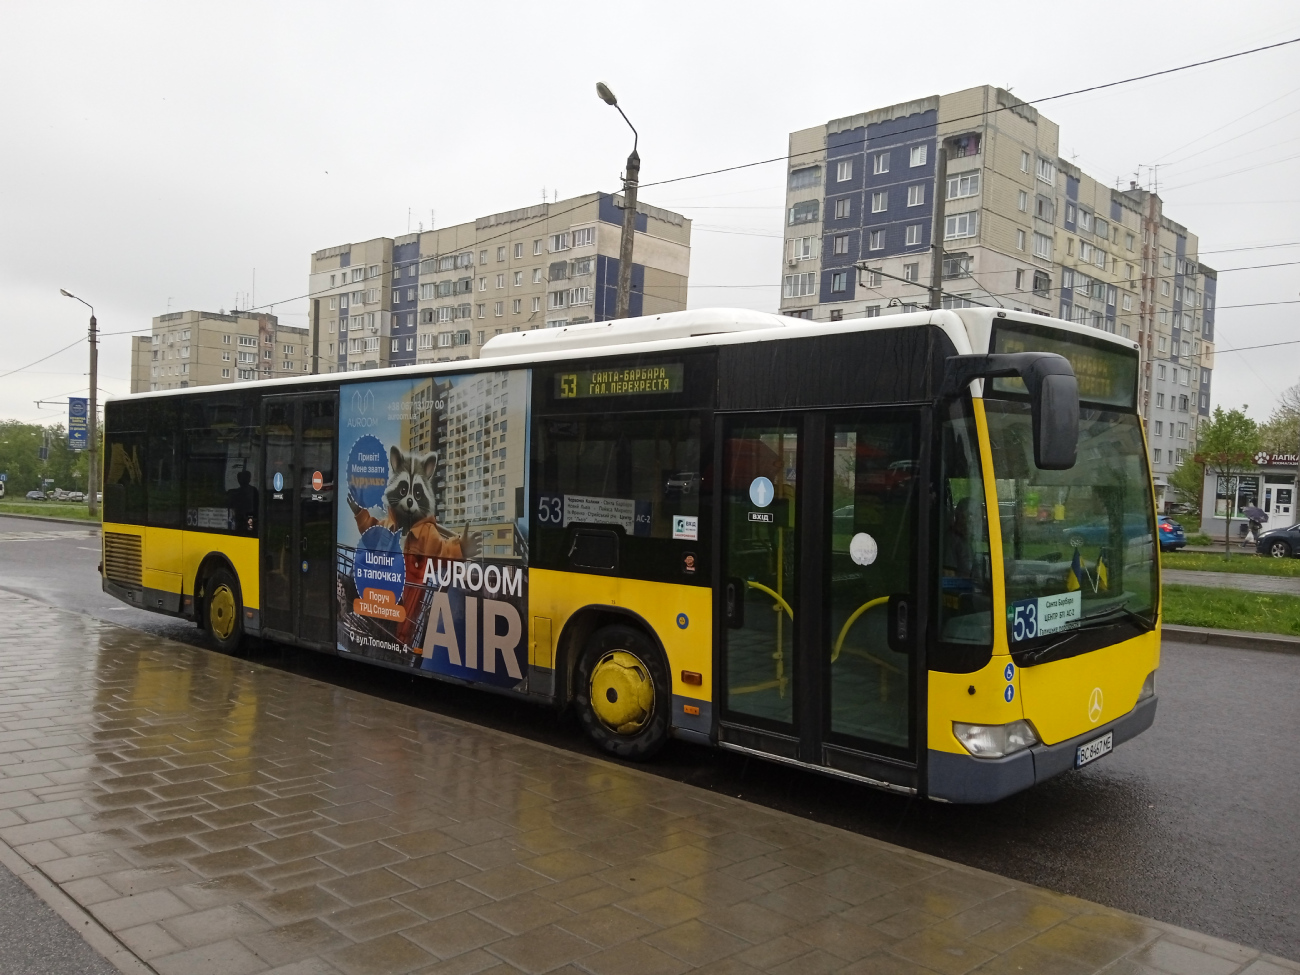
column 219, row 816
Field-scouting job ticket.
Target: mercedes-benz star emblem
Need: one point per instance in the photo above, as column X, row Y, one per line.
column 1094, row 705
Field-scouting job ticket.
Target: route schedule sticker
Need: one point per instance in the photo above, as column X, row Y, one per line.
column 1030, row 618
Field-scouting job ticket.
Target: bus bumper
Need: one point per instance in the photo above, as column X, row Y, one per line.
column 964, row 778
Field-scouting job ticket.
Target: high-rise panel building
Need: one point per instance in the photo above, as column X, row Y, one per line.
column 440, row 295
column 1022, row 228
column 203, row 348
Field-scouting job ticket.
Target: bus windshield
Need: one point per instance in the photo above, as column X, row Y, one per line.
column 1078, row 545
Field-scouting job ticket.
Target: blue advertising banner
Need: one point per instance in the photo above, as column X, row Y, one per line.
column 78, row 429
column 432, row 527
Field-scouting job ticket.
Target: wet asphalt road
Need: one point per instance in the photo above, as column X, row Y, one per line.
column 1196, row 822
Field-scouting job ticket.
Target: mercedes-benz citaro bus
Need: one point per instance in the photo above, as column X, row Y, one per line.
column 916, row 551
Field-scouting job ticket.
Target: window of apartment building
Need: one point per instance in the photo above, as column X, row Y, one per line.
column 837, row 314
column 1160, row 401
column 1164, row 289
column 584, row 236
column 1128, row 242
column 1155, row 452
column 963, row 185
column 1102, row 229
column 557, row 299
column 916, row 195
column 537, row 305
column 447, row 262
column 410, row 343
column 1163, row 316
column 1182, row 431
column 880, row 163
column 1024, row 161
column 225, row 373
column 880, row 201
column 519, row 251
column 912, row 236
column 1046, row 171
column 1167, row 260
column 1020, row 279
column 517, row 305
column 482, row 257
column 844, row 170
column 1071, row 215
column 1160, row 428
column 960, row 225
column 518, row 279
column 808, row 176
column 872, row 311
column 501, row 254
column 1022, row 201
column 248, row 340
column 1085, row 220
column 397, row 295
column 580, row 296
column 560, row 242
column 911, row 272
column 839, row 282
column 956, row 266
column 917, row 156
column 537, row 247
column 875, row 277
column 225, row 339
column 800, row 285
column 1043, row 246
column 806, row 212
column 1020, row 240
column 537, row 275
column 805, row 248
column 358, row 273
column 841, row 244
column 843, row 208
column 501, row 281
column 876, row 240
column 1042, row 283
column 499, row 308
column 333, row 303
column 396, row 347
column 480, row 310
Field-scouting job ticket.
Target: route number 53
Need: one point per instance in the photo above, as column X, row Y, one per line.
column 550, row 509
column 1024, row 620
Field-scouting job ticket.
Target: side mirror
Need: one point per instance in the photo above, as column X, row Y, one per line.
column 1053, row 397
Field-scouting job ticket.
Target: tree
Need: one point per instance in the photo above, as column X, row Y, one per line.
column 20, row 446
column 1280, row 434
column 1188, row 480
column 1227, row 447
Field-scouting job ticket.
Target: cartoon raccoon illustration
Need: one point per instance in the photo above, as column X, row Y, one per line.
column 410, row 509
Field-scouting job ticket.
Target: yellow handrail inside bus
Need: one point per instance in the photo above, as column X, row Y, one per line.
column 775, row 595
column 844, row 630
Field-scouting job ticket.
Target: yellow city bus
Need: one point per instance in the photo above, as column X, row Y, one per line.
column 917, row 551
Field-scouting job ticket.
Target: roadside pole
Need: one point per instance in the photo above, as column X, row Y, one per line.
column 936, row 235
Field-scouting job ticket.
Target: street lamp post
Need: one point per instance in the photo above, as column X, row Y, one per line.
column 92, row 418
column 630, row 180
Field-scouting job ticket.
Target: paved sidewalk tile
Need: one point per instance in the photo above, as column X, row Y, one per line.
column 219, row 816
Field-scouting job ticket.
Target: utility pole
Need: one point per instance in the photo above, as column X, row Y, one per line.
column 92, row 418
column 936, row 235
column 631, row 179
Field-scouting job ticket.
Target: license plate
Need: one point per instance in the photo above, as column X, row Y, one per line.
column 1093, row 750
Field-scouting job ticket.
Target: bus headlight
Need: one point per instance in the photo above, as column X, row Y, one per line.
column 1148, row 687
column 995, row 740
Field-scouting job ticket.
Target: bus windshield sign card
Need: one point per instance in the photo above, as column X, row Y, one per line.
column 1045, row 615
column 432, row 527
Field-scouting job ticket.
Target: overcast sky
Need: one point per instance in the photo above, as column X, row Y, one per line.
column 155, row 154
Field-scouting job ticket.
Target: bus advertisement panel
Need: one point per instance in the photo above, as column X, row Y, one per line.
column 432, row 544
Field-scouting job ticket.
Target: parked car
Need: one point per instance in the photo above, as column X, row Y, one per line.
column 76, row 496
column 1280, row 543
column 35, row 495
column 1098, row 532
column 1172, row 536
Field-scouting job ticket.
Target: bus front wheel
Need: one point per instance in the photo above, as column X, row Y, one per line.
column 223, row 611
column 623, row 693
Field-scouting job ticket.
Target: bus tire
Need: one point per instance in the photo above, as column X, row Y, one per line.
column 223, row 611
column 623, row 693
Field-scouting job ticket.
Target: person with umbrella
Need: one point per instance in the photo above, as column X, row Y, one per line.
column 1255, row 517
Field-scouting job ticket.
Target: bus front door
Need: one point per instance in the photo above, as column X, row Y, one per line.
column 298, row 599
column 819, row 520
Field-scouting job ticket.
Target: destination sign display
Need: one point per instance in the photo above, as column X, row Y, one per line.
column 624, row 381
column 1107, row 374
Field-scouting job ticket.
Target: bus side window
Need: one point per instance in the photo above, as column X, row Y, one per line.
column 163, row 480
column 636, row 475
column 221, row 454
column 124, row 462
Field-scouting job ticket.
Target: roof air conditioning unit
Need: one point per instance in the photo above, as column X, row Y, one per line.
column 374, row 329
column 793, row 262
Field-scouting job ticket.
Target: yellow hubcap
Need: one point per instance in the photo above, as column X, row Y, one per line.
column 221, row 612
column 622, row 692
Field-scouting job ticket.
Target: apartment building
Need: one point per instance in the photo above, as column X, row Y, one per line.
column 439, row 295
column 1022, row 229
column 203, row 348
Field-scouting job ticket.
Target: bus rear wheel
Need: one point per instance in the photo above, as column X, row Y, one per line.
column 223, row 611
column 623, row 693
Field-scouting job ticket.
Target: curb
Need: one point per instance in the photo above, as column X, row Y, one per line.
column 1239, row 639
column 61, row 521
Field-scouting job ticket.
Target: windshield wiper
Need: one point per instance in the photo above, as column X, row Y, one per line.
column 1087, row 623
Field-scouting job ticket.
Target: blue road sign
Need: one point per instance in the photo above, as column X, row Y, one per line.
column 78, row 429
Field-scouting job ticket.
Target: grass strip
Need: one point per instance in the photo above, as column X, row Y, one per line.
column 1231, row 609
column 70, row 510
column 1246, row 563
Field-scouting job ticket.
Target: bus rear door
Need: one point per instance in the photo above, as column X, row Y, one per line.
column 301, row 438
